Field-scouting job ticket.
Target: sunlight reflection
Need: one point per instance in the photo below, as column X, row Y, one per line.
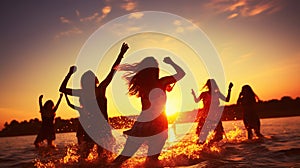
column 93, row 155
column 172, row 133
column 235, row 135
column 71, row 155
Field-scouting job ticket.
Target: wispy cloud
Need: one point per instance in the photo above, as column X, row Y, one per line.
column 77, row 13
column 64, row 20
column 244, row 8
column 89, row 18
column 72, row 31
column 129, row 5
column 76, row 26
column 182, row 26
column 136, row 15
column 105, row 11
column 232, row 16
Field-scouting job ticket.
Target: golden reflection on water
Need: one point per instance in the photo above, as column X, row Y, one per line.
column 71, row 155
column 179, row 150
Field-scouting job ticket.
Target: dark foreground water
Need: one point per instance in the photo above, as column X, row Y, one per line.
column 280, row 148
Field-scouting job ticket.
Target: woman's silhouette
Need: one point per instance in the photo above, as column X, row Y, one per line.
column 211, row 102
column 247, row 100
column 93, row 102
column 47, row 130
column 151, row 125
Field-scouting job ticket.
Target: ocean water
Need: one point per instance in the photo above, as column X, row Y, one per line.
column 279, row 148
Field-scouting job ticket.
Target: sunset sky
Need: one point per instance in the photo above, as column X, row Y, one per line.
column 257, row 41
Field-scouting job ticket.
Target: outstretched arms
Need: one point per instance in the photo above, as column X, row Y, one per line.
column 58, row 102
column 63, row 87
column 109, row 77
column 40, row 102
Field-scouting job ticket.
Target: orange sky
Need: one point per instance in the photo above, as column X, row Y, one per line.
column 257, row 41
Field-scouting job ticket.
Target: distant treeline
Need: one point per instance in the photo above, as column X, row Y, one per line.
column 284, row 107
column 32, row 127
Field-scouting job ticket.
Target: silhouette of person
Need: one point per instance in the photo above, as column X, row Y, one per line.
column 93, row 102
column 151, row 125
column 211, row 102
column 247, row 100
column 47, row 131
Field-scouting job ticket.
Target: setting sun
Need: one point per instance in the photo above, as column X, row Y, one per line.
column 174, row 103
column 172, row 110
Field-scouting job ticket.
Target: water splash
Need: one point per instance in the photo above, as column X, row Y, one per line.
column 179, row 150
column 93, row 155
column 236, row 135
column 71, row 155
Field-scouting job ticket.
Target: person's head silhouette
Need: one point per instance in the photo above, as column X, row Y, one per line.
column 49, row 105
column 211, row 85
column 141, row 76
column 247, row 90
column 89, row 82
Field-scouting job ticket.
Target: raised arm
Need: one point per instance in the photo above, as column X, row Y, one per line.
column 179, row 71
column 228, row 93
column 63, row 87
column 167, row 80
column 58, row 102
column 195, row 97
column 110, row 76
column 70, row 104
column 40, row 102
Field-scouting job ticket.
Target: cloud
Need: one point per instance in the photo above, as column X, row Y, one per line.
column 77, row 25
column 179, row 30
column 77, row 13
column 89, row 18
column 177, row 23
column 129, row 5
column 182, row 26
column 69, row 32
column 243, row 8
column 232, row 16
column 96, row 17
column 260, row 9
column 64, row 20
column 136, row 15
column 106, row 10
column 127, row 28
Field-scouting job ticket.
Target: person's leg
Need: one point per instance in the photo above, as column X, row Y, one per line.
column 257, row 130
column 131, row 146
column 155, row 146
column 219, row 131
column 249, row 132
column 50, row 143
column 248, row 128
column 38, row 140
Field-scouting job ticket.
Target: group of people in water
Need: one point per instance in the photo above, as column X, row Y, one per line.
column 151, row 127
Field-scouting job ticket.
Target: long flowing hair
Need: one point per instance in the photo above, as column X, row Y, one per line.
column 141, row 77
